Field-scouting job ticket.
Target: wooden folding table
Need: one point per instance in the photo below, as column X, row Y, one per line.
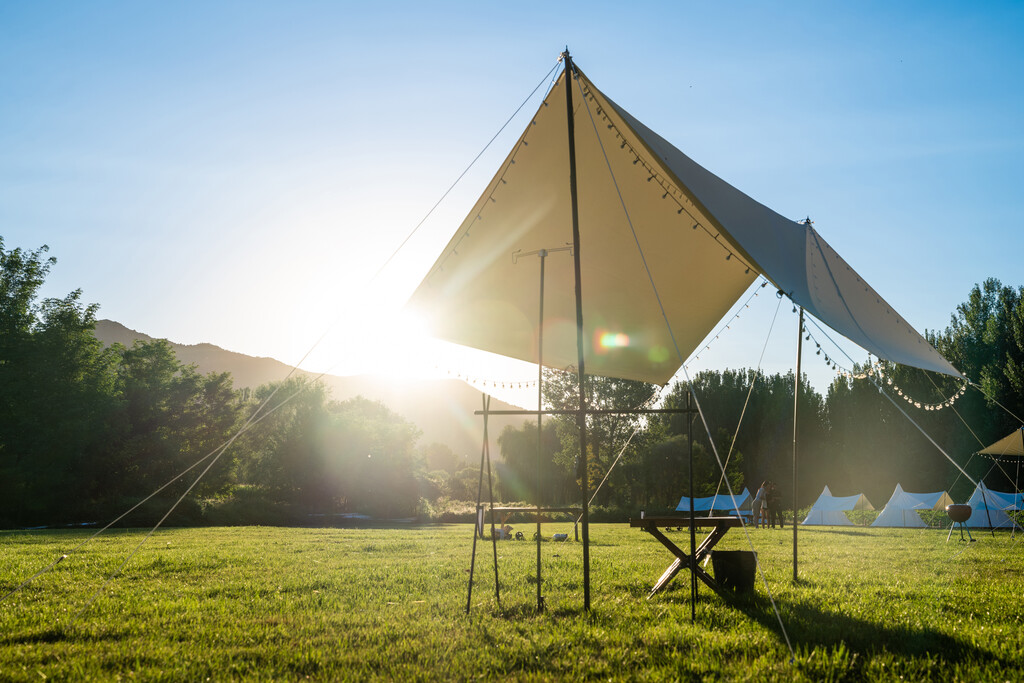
column 719, row 527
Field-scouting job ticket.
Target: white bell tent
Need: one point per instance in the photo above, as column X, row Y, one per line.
column 989, row 508
column 902, row 508
column 830, row 510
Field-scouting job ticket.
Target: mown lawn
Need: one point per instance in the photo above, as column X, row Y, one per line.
column 358, row 604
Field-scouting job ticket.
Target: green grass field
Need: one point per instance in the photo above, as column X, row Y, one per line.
column 358, row 604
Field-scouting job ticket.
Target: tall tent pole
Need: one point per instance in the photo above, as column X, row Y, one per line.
column 984, row 501
column 693, row 527
column 796, row 404
column 490, row 489
column 581, row 415
column 478, row 527
column 540, row 406
column 1016, row 488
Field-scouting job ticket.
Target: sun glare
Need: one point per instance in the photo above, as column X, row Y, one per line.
column 381, row 341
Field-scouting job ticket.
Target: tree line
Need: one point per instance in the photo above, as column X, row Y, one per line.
column 88, row 431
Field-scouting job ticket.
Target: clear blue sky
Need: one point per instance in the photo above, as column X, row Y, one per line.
column 236, row 172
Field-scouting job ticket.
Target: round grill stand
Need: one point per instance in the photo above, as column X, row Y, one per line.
column 959, row 514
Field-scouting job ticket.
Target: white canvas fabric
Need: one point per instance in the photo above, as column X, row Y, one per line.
column 1012, row 444
column 657, row 275
column 829, row 510
column 989, row 508
column 902, row 508
column 721, row 502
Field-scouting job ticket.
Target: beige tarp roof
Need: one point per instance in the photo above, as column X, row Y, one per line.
column 1012, row 444
column 690, row 244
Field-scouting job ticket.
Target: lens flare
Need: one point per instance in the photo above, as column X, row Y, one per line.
column 612, row 340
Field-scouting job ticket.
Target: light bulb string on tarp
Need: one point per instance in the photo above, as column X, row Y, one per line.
column 670, row 191
column 728, row 325
column 875, row 369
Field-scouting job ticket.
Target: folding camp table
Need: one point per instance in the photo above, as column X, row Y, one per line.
column 720, row 525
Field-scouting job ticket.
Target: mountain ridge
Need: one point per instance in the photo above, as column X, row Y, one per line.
column 443, row 409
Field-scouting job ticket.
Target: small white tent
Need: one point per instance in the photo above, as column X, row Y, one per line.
column 989, row 508
column 829, row 510
column 902, row 508
column 721, row 501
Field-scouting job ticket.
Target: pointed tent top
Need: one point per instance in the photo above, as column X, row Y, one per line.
column 902, row 499
column 827, row 501
column 666, row 249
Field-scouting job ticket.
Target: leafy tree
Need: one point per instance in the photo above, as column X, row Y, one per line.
column 607, row 435
column 373, row 448
column 283, row 453
column 168, row 418
column 758, row 410
column 985, row 341
column 55, row 384
column 439, row 456
column 527, row 476
column 355, row 456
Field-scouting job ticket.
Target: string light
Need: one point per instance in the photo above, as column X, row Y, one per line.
column 1002, row 457
column 490, row 381
column 654, row 175
column 876, row 369
column 728, row 324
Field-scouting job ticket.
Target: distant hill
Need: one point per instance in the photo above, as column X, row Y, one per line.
column 443, row 409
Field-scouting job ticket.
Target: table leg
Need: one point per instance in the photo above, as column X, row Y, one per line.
column 684, row 560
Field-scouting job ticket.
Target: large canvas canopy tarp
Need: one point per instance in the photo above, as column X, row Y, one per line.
column 989, row 508
column 666, row 249
column 902, row 508
column 721, row 502
column 830, row 510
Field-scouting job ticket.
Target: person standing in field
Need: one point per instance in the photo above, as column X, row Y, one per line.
column 757, row 506
column 774, row 500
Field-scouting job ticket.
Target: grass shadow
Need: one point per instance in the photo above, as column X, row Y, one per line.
column 56, row 635
column 809, row 625
column 524, row 610
column 842, row 532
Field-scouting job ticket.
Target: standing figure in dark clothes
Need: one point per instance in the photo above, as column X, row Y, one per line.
column 774, row 499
